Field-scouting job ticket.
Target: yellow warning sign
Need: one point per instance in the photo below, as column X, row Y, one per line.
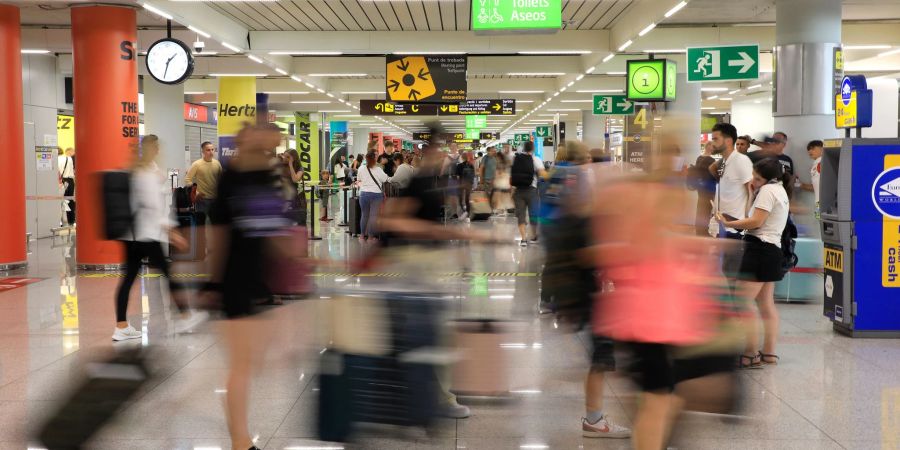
column 432, row 78
column 409, row 79
column 834, row 260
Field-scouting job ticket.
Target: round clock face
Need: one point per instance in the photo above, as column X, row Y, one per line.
column 170, row 61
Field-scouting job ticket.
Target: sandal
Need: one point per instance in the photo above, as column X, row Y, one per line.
column 753, row 362
column 766, row 360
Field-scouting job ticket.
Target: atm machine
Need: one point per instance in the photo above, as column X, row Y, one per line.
column 860, row 210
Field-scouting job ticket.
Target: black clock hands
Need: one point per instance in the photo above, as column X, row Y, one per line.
column 167, row 64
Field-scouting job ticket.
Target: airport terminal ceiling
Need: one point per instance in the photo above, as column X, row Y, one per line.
column 339, row 47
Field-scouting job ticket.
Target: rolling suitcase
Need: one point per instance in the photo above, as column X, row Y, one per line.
column 483, row 366
column 290, row 277
column 479, row 206
column 109, row 385
column 191, row 225
column 355, row 216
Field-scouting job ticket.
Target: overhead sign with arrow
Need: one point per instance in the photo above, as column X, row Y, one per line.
column 543, row 131
column 492, row 107
column 613, row 105
column 723, row 63
column 430, row 79
column 386, row 108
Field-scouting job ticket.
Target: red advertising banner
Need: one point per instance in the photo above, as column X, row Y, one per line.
column 196, row 113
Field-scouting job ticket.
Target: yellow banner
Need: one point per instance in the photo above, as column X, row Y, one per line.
column 834, row 260
column 890, row 244
column 845, row 115
column 65, row 131
column 307, row 134
column 237, row 104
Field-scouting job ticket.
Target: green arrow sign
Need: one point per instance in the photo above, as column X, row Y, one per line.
column 543, row 131
column 723, row 63
column 615, row 105
column 473, row 133
column 476, row 121
column 522, row 137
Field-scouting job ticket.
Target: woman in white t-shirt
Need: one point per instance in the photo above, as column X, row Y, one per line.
column 371, row 178
column 761, row 265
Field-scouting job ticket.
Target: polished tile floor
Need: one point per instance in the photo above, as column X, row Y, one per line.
column 829, row 392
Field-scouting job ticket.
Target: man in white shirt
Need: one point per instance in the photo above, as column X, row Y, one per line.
column 66, row 167
column 525, row 178
column 733, row 194
column 815, row 149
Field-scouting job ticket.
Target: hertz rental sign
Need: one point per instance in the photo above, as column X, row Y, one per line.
column 516, row 14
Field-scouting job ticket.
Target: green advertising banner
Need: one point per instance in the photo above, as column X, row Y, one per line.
column 723, row 63
column 516, row 14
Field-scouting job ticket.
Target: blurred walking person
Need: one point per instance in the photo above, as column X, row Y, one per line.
column 152, row 228
column 251, row 226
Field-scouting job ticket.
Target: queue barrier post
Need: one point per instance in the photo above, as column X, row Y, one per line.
column 312, row 214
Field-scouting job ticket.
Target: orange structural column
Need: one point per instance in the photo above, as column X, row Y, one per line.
column 12, row 141
column 104, row 53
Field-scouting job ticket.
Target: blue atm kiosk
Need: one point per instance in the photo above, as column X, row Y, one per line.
column 860, row 210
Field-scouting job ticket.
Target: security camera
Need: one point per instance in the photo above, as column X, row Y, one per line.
column 198, row 46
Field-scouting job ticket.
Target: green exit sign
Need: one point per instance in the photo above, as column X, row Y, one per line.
column 542, row 131
column 516, row 14
column 651, row 80
column 476, row 121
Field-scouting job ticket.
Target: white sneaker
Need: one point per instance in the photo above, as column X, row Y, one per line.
column 183, row 325
column 523, row 243
column 454, row 410
column 123, row 334
column 603, row 428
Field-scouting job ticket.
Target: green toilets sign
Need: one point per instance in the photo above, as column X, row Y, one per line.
column 516, row 14
column 723, row 63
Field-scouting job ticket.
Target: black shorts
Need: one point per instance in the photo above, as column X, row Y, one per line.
column 602, row 354
column 653, row 368
column 761, row 261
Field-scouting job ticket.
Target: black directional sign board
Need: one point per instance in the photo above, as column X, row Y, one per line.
column 386, row 108
column 421, row 136
column 454, row 137
column 429, row 79
column 499, row 107
column 490, row 136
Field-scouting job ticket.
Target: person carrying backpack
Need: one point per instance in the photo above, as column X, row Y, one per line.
column 526, row 168
column 768, row 252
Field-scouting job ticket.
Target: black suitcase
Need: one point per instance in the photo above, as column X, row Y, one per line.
column 191, row 225
column 109, row 385
column 355, row 217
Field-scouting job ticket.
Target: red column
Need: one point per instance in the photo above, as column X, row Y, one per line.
column 104, row 53
column 12, row 141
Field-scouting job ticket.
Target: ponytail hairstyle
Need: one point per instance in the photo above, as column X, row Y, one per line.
column 772, row 169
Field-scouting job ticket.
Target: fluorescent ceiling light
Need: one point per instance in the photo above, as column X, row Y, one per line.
column 609, row 57
column 524, row 101
column 556, row 52
column 339, row 75
column 718, row 113
column 330, row 95
column 34, row 51
column 535, row 74
column 199, row 31
column 892, row 52
column 867, row 47
column 429, row 53
column 281, row 71
column 312, row 102
column 237, row 74
column 754, row 86
column 707, row 108
column 231, row 47
column 307, row 53
column 626, row 45
column 194, row 92
column 734, row 91
column 725, row 98
column 320, row 90
column 666, row 50
column 209, row 103
column 570, row 84
column 576, row 101
column 287, row 92
column 254, row 59
column 647, row 29
column 309, row 85
column 675, row 9
column 334, row 110
column 362, row 92
column 714, row 89
column 615, row 73
column 713, row 97
column 599, row 91
column 156, row 11
column 520, row 92
column 579, row 77
column 590, row 69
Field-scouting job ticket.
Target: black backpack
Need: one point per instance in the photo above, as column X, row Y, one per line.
column 789, row 259
column 522, row 173
column 118, row 220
